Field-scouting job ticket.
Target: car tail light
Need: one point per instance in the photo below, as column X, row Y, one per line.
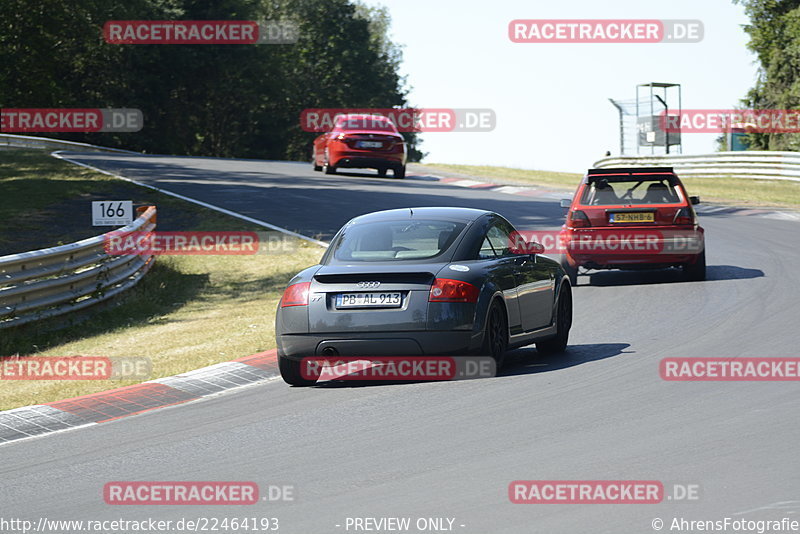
column 578, row 219
column 296, row 295
column 446, row 290
column 683, row 216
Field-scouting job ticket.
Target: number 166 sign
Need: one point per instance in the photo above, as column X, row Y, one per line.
column 112, row 212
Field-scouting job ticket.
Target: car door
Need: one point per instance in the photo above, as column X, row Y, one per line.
column 503, row 271
column 535, row 283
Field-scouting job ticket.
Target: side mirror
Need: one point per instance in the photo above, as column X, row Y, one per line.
column 520, row 245
column 566, row 202
column 535, row 248
column 694, row 200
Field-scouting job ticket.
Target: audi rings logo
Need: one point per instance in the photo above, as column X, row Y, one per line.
column 366, row 285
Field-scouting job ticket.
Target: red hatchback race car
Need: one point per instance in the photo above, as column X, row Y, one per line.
column 632, row 218
column 361, row 141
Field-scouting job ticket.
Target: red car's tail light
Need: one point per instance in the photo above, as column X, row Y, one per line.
column 578, row 219
column 296, row 295
column 446, row 290
column 683, row 216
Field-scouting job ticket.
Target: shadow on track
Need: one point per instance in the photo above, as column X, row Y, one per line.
column 527, row 360
column 522, row 361
column 665, row 276
column 731, row 272
column 389, row 176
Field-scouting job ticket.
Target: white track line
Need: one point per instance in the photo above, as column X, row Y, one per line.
column 265, row 224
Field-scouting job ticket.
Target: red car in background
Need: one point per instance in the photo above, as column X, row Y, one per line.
column 361, row 141
column 632, row 218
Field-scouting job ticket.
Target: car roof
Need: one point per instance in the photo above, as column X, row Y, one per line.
column 631, row 170
column 615, row 174
column 444, row 213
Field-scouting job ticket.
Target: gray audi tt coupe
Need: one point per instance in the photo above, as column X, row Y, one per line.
column 423, row 281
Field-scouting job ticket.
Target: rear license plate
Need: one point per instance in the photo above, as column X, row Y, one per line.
column 632, row 217
column 369, row 144
column 369, row 300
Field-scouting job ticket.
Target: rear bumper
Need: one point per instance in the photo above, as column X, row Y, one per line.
column 618, row 262
column 631, row 247
column 423, row 343
column 356, row 160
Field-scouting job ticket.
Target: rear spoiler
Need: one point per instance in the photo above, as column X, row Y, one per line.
column 625, row 173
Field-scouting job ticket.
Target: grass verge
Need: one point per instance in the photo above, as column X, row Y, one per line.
column 188, row 312
column 558, row 180
column 740, row 191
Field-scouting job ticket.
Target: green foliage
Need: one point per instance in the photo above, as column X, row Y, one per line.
column 774, row 32
column 211, row 100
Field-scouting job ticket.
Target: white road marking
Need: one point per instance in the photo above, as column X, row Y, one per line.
column 265, row 224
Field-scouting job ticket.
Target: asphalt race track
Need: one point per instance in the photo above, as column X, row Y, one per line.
column 450, row 449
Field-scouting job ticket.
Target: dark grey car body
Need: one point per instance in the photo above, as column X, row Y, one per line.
column 526, row 285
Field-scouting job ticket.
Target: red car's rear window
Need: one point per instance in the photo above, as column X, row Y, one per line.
column 633, row 190
column 364, row 122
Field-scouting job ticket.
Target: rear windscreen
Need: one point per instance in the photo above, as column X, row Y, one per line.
column 637, row 190
column 396, row 240
column 364, row 122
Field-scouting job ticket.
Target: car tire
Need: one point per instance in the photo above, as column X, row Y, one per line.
column 696, row 272
column 382, row 172
column 572, row 272
column 399, row 172
column 558, row 343
column 495, row 337
column 327, row 168
column 290, row 372
column 317, row 167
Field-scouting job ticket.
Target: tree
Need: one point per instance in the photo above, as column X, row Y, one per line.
column 210, row 100
column 774, row 32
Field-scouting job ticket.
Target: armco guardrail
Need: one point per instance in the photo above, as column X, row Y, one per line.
column 52, row 281
column 27, row 141
column 746, row 164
